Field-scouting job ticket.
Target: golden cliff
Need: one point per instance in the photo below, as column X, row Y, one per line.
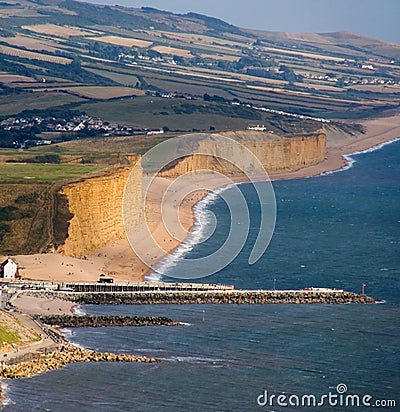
column 96, row 205
column 276, row 153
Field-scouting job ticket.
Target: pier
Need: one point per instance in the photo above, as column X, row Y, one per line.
column 142, row 287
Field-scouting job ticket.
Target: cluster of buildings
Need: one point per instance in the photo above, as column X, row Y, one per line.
column 131, row 59
column 58, row 124
column 59, row 128
column 353, row 81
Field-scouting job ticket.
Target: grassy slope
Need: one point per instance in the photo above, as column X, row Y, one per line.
column 17, row 172
column 12, row 332
column 15, row 103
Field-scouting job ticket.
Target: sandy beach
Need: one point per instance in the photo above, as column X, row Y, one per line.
column 32, row 305
column 118, row 259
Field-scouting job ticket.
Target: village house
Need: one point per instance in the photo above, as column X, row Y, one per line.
column 8, row 269
column 258, row 128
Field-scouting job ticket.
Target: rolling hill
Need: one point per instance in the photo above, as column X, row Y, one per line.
column 83, row 56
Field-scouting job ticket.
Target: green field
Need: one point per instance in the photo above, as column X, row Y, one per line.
column 13, row 332
column 176, row 114
column 13, row 104
column 7, row 336
column 17, row 172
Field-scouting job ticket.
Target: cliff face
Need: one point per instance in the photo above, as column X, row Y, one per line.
column 96, row 205
column 274, row 152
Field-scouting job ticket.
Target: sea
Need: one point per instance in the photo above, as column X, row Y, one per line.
column 339, row 230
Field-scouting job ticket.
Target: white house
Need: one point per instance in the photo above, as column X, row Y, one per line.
column 258, row 128
column 151, row 132
column 8, row 269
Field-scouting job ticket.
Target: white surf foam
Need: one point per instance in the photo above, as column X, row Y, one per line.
column 67, row 333
column 78, row 310
column 6, row 400
column 195, row 359
column 147, row 350
column 196, row 236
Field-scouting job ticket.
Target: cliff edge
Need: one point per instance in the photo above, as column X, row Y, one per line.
column 276, row 153
column 96, row 205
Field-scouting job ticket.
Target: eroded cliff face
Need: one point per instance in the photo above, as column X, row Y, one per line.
column 275, row 153
column 96, row 204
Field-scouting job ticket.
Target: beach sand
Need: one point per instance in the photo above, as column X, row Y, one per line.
column 32, row 305
column 118, row 258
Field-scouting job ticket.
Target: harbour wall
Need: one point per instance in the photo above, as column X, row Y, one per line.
column 217, row 297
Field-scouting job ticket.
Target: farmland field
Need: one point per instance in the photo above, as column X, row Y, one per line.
column 123, row 41
column 25, row 54
column 225, row 57
column 12, row 78
column 103, row 92
column 203, row 39
column 60, row 31
column 182, row 115
column 121, row 78
column 17, row 172
column 152, row 112
column 31, row 43
column 39, row 100
column 113, row 147
column 173, row 51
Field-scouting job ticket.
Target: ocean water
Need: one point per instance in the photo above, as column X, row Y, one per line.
column 339, row 230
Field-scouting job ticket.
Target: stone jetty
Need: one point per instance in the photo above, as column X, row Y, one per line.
column 74, row 321
column 64, row 355
column 320, row 296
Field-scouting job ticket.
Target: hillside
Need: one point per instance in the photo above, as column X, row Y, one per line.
column 92, row 59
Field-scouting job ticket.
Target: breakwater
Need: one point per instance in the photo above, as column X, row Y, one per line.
column 221, row 297
column 64, row 355
column 74, row 321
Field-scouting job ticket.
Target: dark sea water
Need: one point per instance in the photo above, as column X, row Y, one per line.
column 339, row 231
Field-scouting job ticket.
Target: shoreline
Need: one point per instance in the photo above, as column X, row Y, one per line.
column 54, row 351
column 118, row 259
column 380, row 132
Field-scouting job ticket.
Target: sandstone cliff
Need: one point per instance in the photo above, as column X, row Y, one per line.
column 276, row 153
column 96, row 205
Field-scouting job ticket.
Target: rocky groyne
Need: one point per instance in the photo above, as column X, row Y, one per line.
column 221, row 297
column 74, row 321
column 66, row 354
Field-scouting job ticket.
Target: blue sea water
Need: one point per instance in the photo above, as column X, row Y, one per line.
column 339, row 230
